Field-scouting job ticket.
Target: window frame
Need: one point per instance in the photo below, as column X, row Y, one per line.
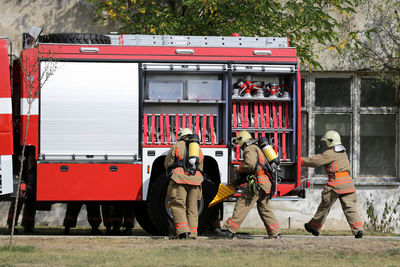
column 355, row 111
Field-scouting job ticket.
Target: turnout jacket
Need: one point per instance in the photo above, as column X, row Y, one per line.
column 178, row 153
column 337, row 166
column 253, row 157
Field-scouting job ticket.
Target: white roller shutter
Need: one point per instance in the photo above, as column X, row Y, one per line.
column 90, row 110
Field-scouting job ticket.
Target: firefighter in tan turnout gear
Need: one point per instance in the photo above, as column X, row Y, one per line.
column 339, row 185
column 185, row 162
column 253, row 160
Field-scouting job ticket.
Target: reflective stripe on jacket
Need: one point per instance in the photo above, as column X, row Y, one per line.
column 337, row 166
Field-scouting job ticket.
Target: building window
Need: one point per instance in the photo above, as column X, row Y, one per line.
column 364, row 112
column 378, row 145
column 325, row 122
column 304, row 139
column 378, row 134
column 332, row 92
column 303, row 90
column 376, row 93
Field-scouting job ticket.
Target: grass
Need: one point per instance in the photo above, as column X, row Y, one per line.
column 202, row 252
column 24, row 249
column 100, row 251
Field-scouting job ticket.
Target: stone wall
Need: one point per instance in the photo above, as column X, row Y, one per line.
column 18, row 16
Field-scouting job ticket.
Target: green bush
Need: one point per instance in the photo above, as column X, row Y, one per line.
column 386, row 222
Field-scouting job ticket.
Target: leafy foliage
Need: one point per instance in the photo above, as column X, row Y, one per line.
column 307, row 23
column 385, row 222
column 378, row 45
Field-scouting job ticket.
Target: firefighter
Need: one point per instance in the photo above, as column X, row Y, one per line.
column 258, row 190
column 27, row 199
column 185, row 164
column 126, row 218
column 28, row 217
column 339, row 185
column 93, row 216
column 107, row 212
column 117, row 215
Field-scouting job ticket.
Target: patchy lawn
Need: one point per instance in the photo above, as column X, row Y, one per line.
column 103, row 251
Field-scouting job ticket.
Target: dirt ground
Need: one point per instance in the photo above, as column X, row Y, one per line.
column 289, row 243
column 146, row 251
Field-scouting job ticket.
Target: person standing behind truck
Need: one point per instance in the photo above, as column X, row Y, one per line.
column 339, row 185
column 184, row 189
column 93, row 216
column 253, row 159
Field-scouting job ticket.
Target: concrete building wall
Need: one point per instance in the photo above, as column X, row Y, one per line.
column 18, row 16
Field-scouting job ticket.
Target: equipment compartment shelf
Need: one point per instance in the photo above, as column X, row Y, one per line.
column 266, row 130
column 261, row 98
column 185, row 101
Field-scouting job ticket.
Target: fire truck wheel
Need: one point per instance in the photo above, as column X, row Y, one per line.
column 143, row 219
column 75, row 38
column 160, row 214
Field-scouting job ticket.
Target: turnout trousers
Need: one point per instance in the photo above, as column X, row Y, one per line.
column 349, row 206
column 183, row 199
column 244, row 205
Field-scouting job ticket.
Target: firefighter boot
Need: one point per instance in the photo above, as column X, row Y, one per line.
column 184, row 235
column 224, row 233
column 29, row 230
column 95, row 231
column 309, row 229
column 127, row 231
column 278, row 236
column 359, row 234
column 66, row 230
column 9, row 230
column 109, row 231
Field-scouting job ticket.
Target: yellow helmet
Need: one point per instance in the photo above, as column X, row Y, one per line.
column 331, row 139
column 183, row 132
column 242, row 137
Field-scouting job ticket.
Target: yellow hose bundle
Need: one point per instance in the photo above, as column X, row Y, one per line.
column 224, row 191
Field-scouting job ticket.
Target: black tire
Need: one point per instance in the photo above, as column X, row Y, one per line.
column 143, row 219
column 75, row 38
column 160, row 215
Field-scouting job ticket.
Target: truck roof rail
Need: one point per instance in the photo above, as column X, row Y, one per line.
column 198, row 41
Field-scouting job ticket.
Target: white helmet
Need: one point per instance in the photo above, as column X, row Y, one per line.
column 183, row 132
column 331, row 139
column 242, row 138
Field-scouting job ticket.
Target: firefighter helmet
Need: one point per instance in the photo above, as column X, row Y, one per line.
column 242, row 137
column 331, row 139
column 183, row 132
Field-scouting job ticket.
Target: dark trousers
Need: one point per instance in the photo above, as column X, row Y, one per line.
column 117, row 215
column 28, row 217
column 73, row 209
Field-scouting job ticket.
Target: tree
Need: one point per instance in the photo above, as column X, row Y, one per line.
column 29, row 67
column 377, row 47
column 308, row 24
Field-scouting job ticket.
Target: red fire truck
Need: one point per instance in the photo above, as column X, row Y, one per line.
column 104, row 111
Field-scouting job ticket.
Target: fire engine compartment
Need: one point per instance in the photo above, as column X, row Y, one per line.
column 218, row 115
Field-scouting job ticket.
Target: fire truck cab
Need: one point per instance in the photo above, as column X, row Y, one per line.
column 102, row 114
